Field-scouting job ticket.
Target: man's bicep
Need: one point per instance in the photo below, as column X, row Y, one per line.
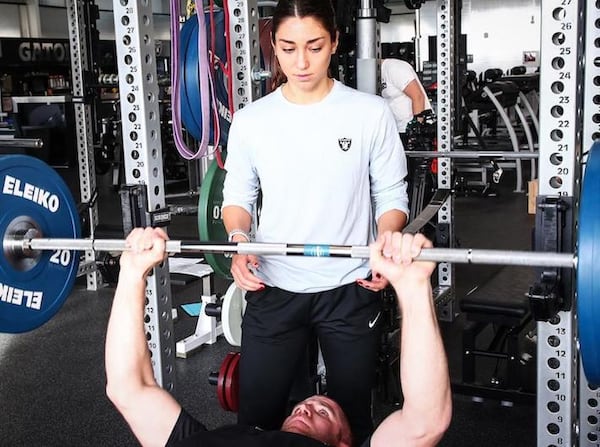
column 413, row 89
column 401, row 429
column 390, row 431
column 152, row 415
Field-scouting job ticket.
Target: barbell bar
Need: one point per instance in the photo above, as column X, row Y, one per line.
column 19, row 247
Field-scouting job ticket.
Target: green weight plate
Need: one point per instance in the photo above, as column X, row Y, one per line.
column 210, row 222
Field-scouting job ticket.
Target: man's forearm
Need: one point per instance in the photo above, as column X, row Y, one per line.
column 419, row 105
column 150, row 411
column 423, row 365
column 127, row 357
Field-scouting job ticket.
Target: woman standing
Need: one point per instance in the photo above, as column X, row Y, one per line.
column 328, row 162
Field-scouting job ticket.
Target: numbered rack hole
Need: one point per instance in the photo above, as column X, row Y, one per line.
column 553, row 363
column 556, row 159
column 553, row 407
column 558, row 63
column 558, row 87
column 556, row 135
column 558, row 38
column 559, row 13
column 556, row 182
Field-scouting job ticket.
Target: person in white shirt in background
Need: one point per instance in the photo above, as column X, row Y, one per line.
column 403, row 91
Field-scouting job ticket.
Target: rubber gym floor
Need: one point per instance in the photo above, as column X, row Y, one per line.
column 52, row 379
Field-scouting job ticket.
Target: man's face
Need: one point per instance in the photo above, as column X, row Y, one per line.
column 320, row 418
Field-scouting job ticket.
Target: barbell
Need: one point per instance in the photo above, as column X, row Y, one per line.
column 40, row 229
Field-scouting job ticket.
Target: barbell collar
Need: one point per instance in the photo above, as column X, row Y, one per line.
column 451, row 255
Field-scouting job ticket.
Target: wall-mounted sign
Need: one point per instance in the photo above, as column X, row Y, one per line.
column 42, row 53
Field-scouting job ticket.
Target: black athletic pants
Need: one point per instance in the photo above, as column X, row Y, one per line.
column 276, row 329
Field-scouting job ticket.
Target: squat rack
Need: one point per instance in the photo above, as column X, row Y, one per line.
column 567, row 134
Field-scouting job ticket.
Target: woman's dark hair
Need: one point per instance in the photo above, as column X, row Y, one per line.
column 320, row 10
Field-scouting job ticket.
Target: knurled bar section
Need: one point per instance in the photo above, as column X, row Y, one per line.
column 560, row 134
column 245, row 44
column 445, row 109
column 589, row 396
column 138, row 91
column 83, row 123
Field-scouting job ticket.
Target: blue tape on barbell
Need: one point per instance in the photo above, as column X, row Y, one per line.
column 588, row 265
column 316, row 250
column 33, row 195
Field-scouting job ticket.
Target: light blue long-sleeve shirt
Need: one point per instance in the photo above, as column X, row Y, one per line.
column 326, row 171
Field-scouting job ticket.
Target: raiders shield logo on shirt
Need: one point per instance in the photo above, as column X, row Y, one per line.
column 345, row 143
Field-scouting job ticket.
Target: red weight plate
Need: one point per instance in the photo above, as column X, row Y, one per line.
column 221, row 381
column 232, row 383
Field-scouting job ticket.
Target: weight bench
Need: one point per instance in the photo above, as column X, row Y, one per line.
column 509, row 315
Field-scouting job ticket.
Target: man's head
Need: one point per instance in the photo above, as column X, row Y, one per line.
column 320, row 418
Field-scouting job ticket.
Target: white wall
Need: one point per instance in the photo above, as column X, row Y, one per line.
column 401, row 27
column 53, row 18
column 53, row 22
column 10, row 21
column 498, row 31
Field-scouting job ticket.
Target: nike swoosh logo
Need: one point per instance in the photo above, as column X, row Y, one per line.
column 372, row 322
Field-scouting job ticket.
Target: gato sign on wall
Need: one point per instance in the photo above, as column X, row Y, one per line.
column 45, row 52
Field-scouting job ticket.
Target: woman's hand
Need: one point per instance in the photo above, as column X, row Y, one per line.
column 242, row 270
